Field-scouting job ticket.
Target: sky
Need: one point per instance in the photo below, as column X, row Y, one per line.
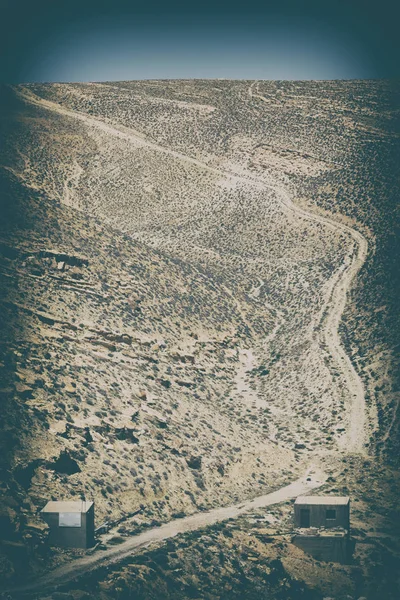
column 105, row 40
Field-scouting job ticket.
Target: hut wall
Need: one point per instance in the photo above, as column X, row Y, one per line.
column 71, row 537
column 318, row 515
column 330, row 549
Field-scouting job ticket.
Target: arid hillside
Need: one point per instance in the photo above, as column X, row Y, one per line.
column 199, row 299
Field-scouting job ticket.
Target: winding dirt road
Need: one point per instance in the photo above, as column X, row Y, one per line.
column 355, row 438
column 325, row 328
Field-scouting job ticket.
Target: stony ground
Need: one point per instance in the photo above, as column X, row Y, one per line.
column 176, row 258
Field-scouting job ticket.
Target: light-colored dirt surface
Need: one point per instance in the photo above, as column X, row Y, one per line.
column 189, row 329
column 323, row 328
column 355, row 438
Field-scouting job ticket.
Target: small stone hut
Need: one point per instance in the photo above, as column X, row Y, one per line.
column 323, row 527
column 322, row 511
column 71, row 523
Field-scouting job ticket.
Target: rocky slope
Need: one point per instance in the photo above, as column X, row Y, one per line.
column 174, row 260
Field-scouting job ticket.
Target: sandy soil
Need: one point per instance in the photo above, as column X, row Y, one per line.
column 336, row 290
column 184, row 328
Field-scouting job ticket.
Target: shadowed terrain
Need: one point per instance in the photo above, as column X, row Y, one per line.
column 198, row 303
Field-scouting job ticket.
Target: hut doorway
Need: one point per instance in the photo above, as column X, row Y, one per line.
column 305, row 517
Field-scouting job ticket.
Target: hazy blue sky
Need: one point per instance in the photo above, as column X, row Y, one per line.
column 105, row 40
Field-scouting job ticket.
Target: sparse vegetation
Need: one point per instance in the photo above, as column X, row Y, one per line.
column 163, row 313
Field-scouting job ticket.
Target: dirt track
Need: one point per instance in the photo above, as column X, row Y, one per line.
column 79, row 567
column 353, row 441
column 325, row 330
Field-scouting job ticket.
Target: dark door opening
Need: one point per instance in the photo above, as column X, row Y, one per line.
column 304, row 517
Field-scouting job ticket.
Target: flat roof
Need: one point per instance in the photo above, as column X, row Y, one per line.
column 324, row 500
column 67, row 506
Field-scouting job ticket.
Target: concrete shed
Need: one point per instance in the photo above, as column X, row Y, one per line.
column 322, row 511
column 71, row 523
column 333, row 545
